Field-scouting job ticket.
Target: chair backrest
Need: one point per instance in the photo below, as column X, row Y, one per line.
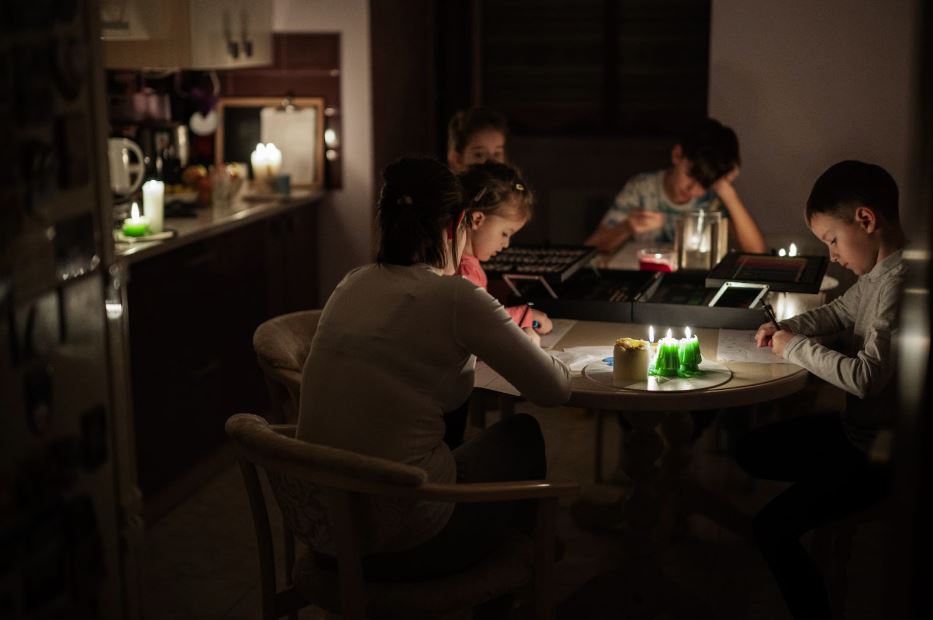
column 318, row 487
column 282, row 345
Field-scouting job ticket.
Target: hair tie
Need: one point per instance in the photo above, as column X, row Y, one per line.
column 519, row 187
column 479, row 194
column 404, row 200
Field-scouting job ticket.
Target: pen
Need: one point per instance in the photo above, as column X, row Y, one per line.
column 770, row 312
column 534, row 324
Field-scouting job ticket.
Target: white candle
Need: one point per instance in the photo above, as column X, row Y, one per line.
column 154, row 204
column 266, row 161
column 274, row 159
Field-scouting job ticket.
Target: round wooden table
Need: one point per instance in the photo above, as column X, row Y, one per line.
column 657, row 450
column 750, row 383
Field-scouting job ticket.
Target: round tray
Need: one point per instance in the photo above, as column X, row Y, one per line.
column 714, row 374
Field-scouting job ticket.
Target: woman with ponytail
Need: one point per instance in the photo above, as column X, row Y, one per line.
column 395, row 350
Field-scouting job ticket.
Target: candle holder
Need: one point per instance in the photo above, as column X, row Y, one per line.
column 135, row 225
column 667, row 361
column 688, row 355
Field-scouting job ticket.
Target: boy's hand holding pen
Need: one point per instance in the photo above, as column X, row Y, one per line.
column 767, row 330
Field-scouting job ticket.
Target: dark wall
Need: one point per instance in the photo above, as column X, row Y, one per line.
column 402, row 35
column 433, row 57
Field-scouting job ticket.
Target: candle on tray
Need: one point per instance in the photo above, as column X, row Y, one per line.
column 629, row 361
column 154, row 204
column 266, row 161
column 667, row 360
column 651, row 350
column 689, row 356
column 135, row 225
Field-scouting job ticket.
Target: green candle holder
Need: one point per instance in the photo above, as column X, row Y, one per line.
column 135, row 227
column 667, row 362
column 689, row 358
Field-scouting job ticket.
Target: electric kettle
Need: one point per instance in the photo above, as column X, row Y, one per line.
column 127, row 167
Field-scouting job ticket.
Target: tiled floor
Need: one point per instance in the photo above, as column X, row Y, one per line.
column 200, row 560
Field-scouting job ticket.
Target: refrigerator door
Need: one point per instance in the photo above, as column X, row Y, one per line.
column 63, row 530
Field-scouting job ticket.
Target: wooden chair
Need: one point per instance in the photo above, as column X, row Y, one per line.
column 336, row 481
column 282, row 345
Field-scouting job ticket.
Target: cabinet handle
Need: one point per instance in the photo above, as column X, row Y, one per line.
column 233, row 48
column 244, row 30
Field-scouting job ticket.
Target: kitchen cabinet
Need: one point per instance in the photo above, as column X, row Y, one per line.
column 192, row 312
column 195, row 34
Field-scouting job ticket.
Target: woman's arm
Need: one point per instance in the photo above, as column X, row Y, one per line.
column 483, row 327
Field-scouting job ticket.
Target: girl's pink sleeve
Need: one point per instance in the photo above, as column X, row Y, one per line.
column 516, row 313
column 473, row 271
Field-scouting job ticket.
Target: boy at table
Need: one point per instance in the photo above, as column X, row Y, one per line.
column 853, row 209
column 704, row 164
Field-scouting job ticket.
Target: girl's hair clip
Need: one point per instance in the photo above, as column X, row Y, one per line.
column 519, row 187
column 404, row 200
column 479, row 195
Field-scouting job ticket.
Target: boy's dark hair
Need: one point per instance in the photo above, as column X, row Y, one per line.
column 713, row 151
column 490, row 186
column 850, row 184
column 465, row 123
column 419, row 201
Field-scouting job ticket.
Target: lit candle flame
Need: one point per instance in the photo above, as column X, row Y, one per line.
column 782, row 252
column 793, row 250
column 651, row 333
column 670, row 334
column 134, row 211
column 687, row 331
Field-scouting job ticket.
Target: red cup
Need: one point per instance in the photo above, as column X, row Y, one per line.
column 656, row 259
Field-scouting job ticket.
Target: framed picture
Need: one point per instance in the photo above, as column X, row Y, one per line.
column 295, row 125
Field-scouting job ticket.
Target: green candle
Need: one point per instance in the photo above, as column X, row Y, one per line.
column 689, row 356
column 135, row 225
column 667, row 361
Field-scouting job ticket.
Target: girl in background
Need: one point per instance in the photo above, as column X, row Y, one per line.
column 474, row 136
column 498, row 204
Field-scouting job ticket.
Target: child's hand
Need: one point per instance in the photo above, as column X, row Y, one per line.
column 544, row 323
column 779, row 340
column 723, row 185
column 535, row 338
column 641, row 220
column 764, row 334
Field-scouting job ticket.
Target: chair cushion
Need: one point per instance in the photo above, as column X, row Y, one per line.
column 285, row 341
column 505, row 570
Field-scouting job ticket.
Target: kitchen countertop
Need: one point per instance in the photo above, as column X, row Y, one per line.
column 214, row 220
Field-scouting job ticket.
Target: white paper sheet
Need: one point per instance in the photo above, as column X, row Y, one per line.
column 577, row 358
column 739, row 346
column 561, row 327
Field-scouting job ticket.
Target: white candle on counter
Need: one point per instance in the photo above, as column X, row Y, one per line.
column 266, row 161
column 154, row 204
column 274, row 158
